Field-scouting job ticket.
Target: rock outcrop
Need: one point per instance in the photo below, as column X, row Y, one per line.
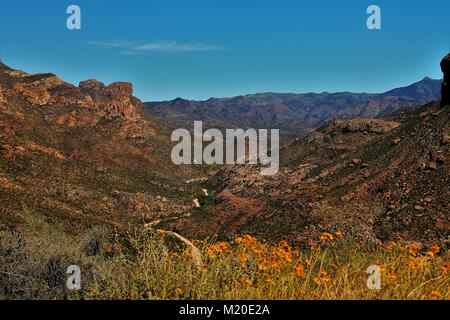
column 117, row 98
column 362, row 125
column 445, row 66
column 87, row 104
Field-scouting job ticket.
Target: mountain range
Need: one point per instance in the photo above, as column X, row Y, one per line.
column 294, row 114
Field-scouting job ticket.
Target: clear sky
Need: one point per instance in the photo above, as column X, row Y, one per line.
column 198, row 49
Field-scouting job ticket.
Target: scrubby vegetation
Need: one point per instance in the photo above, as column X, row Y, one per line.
column 34, row 259
column 149, row 265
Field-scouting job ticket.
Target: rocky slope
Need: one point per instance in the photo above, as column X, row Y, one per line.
column 369, row 178
column 83, row 154
column 294, row 114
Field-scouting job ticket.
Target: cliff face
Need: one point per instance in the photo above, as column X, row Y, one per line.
column 117, row 98
column 91, row 102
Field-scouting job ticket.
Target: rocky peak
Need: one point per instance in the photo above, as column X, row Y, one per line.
column 117, row 98
column 98, row 91
column 120, row 89
column 45, row 80
column 445, row 66
column 91, row 85
column 94, row 99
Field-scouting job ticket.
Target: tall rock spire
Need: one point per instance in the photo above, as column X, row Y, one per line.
column 445, row 66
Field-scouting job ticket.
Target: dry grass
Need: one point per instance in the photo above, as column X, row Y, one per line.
column 35, row 257
column 248, row 269
column 150, row 265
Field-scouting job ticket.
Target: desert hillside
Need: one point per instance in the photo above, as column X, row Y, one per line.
column 83, row 155
column 371, row 178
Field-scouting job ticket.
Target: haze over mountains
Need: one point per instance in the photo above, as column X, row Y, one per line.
column 294, row 114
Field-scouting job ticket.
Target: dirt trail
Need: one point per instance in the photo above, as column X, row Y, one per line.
column 153, row 223
column 196, row 254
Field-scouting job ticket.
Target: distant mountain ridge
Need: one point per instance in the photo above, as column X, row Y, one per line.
column 294, row 114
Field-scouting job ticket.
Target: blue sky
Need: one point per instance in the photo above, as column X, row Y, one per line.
column 215, row 48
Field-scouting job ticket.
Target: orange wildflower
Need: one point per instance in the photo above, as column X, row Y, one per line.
column 436, row 294
column 391, row 276
column 434, row 250
column 324, row 276
column 413, row 249
column 299, row 271
column 263, row 265
column 326, row 236
column 317, row 281
column 444, row 267
column 246, row 281
column 270, row 282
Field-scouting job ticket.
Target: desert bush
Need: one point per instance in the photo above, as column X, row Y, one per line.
column 35, row 256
